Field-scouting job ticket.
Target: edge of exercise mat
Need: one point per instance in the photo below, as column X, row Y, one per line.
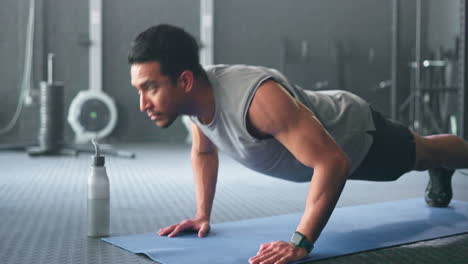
column 313, row 257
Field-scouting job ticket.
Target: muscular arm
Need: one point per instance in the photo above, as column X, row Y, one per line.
column 205, row 168
column 273, row 111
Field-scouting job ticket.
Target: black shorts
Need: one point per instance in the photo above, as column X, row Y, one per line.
column 392, row 154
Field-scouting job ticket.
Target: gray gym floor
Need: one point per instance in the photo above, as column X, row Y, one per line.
column 43, row 205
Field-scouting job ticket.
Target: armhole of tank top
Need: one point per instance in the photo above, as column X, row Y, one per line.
column 213, row 82
column 248, row 102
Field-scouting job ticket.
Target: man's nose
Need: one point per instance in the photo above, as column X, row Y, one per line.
column 143, row 103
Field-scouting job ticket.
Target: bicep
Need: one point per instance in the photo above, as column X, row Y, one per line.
column 307, row 139
column 274, row 111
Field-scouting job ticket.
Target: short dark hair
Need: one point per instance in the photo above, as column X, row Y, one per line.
column 171, row 46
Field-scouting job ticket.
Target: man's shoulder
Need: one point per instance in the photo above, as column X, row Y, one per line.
column 221, row 68
column 236, row 74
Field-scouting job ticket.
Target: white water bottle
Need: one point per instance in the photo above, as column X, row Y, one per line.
column 98, row 197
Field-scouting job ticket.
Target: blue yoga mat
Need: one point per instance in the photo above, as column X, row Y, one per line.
column 350, row 230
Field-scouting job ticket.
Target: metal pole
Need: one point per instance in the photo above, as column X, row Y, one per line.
column 463, row 72
column 207, row 32
column 417, row 76
column 50, row 69
column 95, row 49
column 394, row 62
column 45, row 40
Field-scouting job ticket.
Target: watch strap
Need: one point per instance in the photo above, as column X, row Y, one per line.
column 303, row 242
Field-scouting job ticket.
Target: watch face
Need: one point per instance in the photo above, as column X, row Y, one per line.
column 296, row 239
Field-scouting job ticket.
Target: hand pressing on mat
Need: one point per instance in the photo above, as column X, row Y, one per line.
column 278, row 252
column 200, row 225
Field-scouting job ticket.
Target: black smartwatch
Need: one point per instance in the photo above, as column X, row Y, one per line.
column 299, row 240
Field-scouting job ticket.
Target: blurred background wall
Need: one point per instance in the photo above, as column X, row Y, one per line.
column 320, row 44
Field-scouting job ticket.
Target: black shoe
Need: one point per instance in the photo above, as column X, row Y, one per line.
column 439, row 188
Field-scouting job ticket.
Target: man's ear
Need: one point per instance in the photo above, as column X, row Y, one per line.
column 186, row 80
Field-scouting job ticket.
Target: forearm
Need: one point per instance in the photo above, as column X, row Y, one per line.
column 324, row 191
column 205, row 169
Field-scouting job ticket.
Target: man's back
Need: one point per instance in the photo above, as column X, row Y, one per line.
column 345, row 116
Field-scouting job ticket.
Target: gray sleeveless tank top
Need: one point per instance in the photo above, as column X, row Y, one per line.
column 345, row 116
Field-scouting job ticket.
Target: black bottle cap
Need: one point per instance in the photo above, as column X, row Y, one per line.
column 98, row 160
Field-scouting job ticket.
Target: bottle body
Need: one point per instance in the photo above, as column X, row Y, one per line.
column 98, row 202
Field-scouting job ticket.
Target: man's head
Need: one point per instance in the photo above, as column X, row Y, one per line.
column 164, row 66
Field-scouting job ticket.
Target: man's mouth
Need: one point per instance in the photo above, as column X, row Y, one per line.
column 153, row 116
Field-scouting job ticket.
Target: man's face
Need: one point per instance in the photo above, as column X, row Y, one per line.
column 159, row 97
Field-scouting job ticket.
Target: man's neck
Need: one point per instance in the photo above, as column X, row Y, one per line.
column 203, row 102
